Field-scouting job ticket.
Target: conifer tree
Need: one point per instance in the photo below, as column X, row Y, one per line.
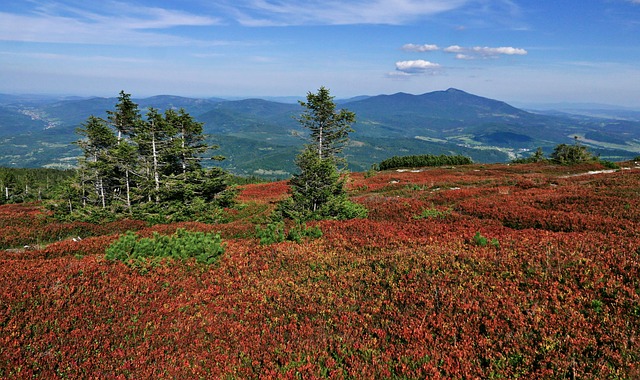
column 126, row 117
column 318, row 190
column 126, row 120
column 329, row 129
column 98, row 142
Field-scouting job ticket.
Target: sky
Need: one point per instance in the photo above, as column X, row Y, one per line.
column 525, row 51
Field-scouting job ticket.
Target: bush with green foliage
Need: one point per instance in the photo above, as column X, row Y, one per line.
column 609, row 164
column 274, row 232
column 432, row 213
column 206, row 248
column 482, row 241
column 396, row 162
column 564, row 154
column 271, row 233
column 301, row 231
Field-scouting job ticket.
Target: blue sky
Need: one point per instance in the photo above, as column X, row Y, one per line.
column 513, row 50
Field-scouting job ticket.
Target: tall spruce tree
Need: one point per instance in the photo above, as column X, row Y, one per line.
column 97, row 144
column 126, row 120
column 329, row 129
column 318, row 190
column 126, row 117
column 154, row 139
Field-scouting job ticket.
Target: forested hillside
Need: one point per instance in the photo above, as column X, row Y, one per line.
column 259, row 137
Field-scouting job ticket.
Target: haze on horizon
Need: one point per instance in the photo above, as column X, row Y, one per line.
column 513, row 50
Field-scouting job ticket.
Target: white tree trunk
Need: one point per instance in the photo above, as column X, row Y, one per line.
column 320, row 142
column 156, row 174
column 128, row 190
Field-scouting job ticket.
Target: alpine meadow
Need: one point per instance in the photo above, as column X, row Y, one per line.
column 141, row 263
column 276, row 189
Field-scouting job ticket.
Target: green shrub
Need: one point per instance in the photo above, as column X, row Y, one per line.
column 132, row 250
column 271, row 233
column 275, row 233
column 423, row 160
column 564, row 154
column 341, row 208
column 480, row 240
column 609, row 164
column 301, row 231
column 430, row 213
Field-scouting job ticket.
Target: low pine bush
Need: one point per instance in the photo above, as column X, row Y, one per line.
column 482, row 241
column 206, row 248
column 432, row 213
column 271, row 233
column 302, row 231
column 423, row 160
column 275, row 233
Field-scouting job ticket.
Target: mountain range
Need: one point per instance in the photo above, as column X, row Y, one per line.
column 262, row 137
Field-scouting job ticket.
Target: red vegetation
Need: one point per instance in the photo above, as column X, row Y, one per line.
column 264, row 192
column 555, row 293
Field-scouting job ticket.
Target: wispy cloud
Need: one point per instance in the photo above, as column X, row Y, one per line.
column 417, row 67
column 114, row 23
column 483, row 52
column 337, row 12
column 50, row 57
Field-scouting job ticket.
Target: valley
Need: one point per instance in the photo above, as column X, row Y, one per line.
column 261, row 137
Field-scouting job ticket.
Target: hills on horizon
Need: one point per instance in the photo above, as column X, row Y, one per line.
column 262, row 137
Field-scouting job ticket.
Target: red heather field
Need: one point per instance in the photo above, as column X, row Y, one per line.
column 409, row 292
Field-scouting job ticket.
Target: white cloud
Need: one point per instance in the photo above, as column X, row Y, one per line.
column 420, row 48
column 488, row 51
column 337, row 12
column 483, row 52
column 416, row 67
column 454, row 49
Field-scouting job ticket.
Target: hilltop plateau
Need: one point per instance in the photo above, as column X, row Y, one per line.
column 476, row 271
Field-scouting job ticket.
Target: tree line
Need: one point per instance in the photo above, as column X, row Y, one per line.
column 18, row 185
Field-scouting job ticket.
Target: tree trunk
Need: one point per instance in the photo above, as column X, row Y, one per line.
column 126, row 173
column 320, row 142
column 184, row 158
column 102, row 195
column 156, row 174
